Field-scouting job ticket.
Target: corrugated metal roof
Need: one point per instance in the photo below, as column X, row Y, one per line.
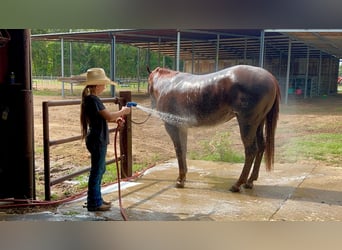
column 201, row 44
column 326, row 41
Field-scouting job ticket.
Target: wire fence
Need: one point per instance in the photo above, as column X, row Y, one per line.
column 49, row 85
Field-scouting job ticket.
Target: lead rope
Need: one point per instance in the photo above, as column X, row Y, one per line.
column 122, row 210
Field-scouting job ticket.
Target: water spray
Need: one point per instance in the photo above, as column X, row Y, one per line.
column 166, row 117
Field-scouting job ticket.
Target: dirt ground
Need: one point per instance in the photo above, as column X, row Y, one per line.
column 152, row 145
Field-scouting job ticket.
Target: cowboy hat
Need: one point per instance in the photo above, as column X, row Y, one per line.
column 97, row 76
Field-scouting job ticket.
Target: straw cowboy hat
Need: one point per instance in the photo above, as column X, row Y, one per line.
column 97, row 76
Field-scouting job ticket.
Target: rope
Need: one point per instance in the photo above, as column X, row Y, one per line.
column 122, row 210
column 17, row 203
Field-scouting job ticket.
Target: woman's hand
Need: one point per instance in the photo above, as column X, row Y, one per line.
column 125, row 110
column 120, row 121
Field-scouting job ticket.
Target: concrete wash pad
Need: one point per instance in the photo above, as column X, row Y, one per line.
column 291, row 192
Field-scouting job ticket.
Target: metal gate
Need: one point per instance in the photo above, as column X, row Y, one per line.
column 125, row 141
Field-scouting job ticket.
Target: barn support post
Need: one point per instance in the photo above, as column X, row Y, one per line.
column 126, row 139
column 262, row 47
column 217, row 52
column 174, row 65
column 307, row 72
column 138, row 62
column 330, row 73
column 178, row 51
column 148, row 55
column 70, row 65
column 70, row 56
column 138, row 68
column 147, row 62
column 27, row 176
column 192, row 56
column 46, row 145
column 319, row 74
column 159, row 53
column 280, row 61
column 288, row 72
column 245, row 52
column 62, row 65
column 113, row 64
column 29, row 127
column 17, row 171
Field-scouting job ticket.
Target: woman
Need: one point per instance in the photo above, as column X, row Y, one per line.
column 94, row 117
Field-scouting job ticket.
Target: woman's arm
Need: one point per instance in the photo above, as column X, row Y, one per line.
column 113, row 116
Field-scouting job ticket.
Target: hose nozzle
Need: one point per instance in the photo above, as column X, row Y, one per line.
column 131, row 104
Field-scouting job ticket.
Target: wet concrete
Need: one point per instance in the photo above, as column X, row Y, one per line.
column 291, row 192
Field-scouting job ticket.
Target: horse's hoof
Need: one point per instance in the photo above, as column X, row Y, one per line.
column 180, row 184
column 248, row 185
column 234, row 189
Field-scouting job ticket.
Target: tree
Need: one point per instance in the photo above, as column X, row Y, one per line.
column 130, row 62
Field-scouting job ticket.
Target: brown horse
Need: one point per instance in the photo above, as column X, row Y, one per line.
column 251, row 94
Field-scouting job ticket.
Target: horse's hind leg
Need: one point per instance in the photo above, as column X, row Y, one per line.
column 257, row 162
column 249, row 141
column 179, row 138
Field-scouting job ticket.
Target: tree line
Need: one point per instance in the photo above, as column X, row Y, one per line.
column 79, row 56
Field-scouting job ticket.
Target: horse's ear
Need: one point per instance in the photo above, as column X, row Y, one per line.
column 148, row 69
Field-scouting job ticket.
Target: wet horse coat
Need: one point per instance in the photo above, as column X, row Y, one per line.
column 251, row 94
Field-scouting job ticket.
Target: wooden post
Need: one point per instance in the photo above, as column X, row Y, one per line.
column 126, row 139
column 46, row 144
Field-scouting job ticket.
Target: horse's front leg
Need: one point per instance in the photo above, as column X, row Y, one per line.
column 179, row 138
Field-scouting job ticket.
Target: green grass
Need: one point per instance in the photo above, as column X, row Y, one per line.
column 325, row 147
column 111, row 172
column 110, row 176
column 217, row 149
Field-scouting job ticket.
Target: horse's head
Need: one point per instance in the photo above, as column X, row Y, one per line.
column 151, row 79
column 151, row 76
column 156, row 81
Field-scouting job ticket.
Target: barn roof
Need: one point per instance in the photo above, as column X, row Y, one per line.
column 233, row 43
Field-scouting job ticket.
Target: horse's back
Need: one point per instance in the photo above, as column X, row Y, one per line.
column 254, row 80
column 218, row 96
column 251, row 75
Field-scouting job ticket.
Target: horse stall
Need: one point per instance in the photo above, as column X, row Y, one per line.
column 16, row 116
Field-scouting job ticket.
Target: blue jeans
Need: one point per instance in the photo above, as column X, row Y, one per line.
column 98, row 168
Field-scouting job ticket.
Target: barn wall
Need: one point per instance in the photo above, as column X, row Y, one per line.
column 322, row 77
column 208, row 66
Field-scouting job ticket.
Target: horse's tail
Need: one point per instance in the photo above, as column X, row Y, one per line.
column 271, row 124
